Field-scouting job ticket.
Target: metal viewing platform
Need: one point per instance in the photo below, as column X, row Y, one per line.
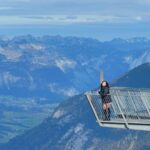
column 130, row 108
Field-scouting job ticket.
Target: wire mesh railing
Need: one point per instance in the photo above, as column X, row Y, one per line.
column 128, row 105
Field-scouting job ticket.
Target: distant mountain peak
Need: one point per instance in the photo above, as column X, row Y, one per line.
column 137, row 77
column 131, row 40
column 138, row 40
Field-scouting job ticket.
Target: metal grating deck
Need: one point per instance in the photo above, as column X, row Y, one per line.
column 130, row 108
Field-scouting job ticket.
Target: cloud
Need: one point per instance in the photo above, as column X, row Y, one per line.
column 72, row 7
column 78, row 7
column 65, row 19
column 6, row 8
column 134, row 62
column 103, row 19
column 72, row 11
column 65, row 63
column 6, row 79
column 138, row 18
column 69, row 91
column 53, row 87
column 58, row 114
column 9, row 2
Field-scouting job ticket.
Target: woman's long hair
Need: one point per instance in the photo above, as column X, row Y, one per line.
column 107, row 84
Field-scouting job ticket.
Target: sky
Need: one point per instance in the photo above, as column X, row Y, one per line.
column 101, row 19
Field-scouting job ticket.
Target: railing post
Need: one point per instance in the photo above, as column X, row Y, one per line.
column 117, row 102
column 144, row 102
column 133, row 105
column 113, row 108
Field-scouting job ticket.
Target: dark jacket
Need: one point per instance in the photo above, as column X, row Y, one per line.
column 104, row 92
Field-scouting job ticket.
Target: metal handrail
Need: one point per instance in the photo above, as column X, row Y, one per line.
column 128, row 105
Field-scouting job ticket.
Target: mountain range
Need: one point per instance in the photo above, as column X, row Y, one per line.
column 72, row 125
column 37, row 73
column 56, row 67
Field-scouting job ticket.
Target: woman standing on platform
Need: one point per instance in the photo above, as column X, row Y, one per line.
column 106, row 99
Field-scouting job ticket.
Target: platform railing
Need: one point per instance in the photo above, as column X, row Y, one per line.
column 128, row 105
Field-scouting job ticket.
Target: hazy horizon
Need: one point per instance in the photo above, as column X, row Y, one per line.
column 100, row 19
column 70, row 35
